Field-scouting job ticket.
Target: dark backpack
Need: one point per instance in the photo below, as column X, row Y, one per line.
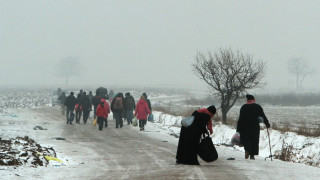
column 118, row 104
column 130, row 103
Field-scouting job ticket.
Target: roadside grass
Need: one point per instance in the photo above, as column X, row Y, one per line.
column 301, row 128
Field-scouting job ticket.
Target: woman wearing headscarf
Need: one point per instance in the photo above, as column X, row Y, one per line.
column 190, row 136
column 249, row 128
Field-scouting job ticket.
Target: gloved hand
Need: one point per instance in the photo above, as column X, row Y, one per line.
column 268, row 125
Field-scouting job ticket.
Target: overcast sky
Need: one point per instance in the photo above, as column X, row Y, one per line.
column 152, row 42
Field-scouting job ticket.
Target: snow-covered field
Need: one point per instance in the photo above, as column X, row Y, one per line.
column 26, row 98
column 290, row 146
column 296, row 116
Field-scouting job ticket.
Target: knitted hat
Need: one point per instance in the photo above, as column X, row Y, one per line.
column 249, row 97
column 212, row 109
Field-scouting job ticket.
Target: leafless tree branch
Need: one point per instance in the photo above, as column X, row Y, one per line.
column 229, row 74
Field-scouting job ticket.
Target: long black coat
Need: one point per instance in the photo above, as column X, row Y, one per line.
column 85, row 102
column 190, row 137
column 249, row 128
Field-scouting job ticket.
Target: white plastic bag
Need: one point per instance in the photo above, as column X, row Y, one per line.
column 135, row 121
column 235, row 140
column 186, row 122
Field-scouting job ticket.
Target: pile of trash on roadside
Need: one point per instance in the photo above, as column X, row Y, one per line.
column 25, row 151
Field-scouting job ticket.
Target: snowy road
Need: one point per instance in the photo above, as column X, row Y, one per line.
column 127, row 153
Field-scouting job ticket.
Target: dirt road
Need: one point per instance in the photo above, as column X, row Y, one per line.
column 124, row 153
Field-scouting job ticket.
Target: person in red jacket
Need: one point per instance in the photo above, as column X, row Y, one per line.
column 141, row 112
column 102, row 113
column 107, row 107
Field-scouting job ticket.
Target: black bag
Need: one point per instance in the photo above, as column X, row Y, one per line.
column 206, row 149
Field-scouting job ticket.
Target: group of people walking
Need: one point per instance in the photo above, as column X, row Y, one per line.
column 82, row 105
column 121, row 107
column 187, row 151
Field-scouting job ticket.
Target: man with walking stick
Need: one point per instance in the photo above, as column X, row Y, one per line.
column 248, row 126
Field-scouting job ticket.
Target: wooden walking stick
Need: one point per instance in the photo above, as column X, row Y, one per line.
column 270, row 156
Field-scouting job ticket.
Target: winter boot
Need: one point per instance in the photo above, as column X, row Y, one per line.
column 246, row 155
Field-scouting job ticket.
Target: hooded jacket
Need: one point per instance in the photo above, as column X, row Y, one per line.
column 142, row 110
column 103, row 111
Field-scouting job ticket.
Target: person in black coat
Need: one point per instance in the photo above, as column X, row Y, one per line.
column 249, row 128
column 70, row 102
column 62, row 99
column 117, row 108
column 189, row 139
column 86, row 107
column 96, row 101
column 130, row 106
column 90, row 96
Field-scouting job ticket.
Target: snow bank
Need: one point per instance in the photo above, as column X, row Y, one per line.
column 301, row 149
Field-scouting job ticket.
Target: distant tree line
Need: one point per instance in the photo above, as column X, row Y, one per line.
column 280, row 99
column 290, row 99
column 209, row 100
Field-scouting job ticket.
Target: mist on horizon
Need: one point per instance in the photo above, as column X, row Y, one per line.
column 152, row 43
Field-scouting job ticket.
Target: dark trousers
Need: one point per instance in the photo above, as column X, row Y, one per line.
column 85, row 116
column 78, row 116
column 94, row 112
column 68, row 115
column 100, row 122
column 129, row 116
column 118, row 116
column 105, row 122
column 142, row 122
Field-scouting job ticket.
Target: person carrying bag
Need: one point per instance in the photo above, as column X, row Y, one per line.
column 188, row 145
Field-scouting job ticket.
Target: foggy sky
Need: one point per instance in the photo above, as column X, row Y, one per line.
column 152, row 42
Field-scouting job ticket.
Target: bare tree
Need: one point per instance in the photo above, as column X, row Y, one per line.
column 67, row 67
column 300, row 69
column 228, row 75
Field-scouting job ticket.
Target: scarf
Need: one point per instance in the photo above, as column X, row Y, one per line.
column 204, row 110
column 251, row 101
column 209, row 125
